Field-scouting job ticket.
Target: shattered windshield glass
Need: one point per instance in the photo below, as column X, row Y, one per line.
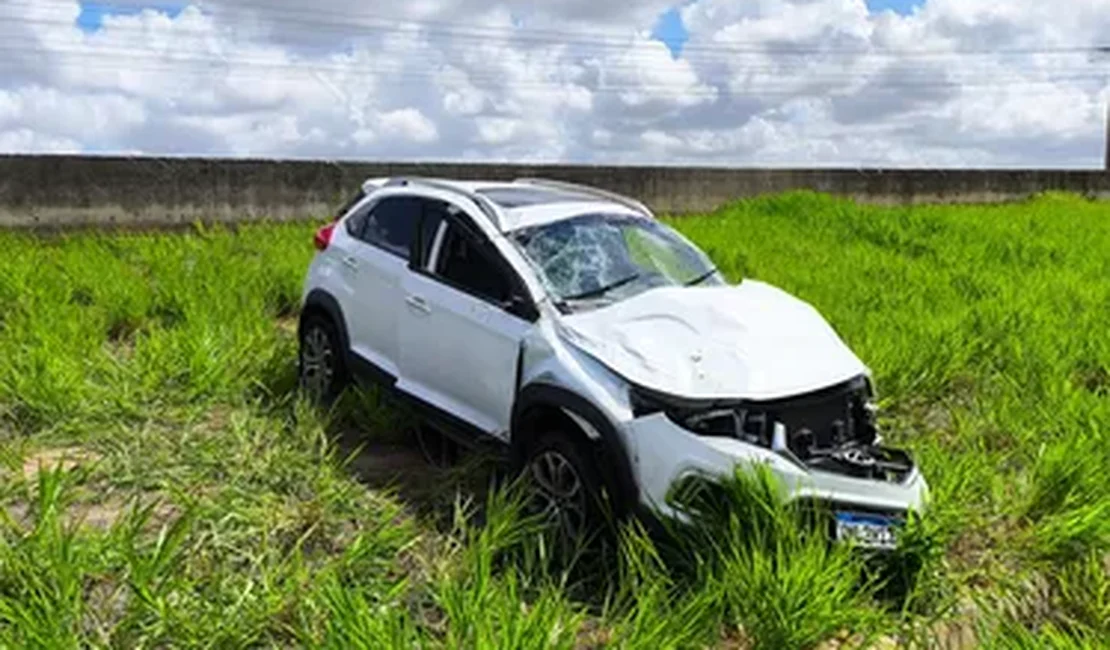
column 602, row 257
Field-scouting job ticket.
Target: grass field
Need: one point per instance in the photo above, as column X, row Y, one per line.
column 163, row 487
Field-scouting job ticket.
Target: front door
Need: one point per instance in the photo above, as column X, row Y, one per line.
column 459, row 341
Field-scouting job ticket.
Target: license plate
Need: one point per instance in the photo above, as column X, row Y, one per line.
column 867, row 531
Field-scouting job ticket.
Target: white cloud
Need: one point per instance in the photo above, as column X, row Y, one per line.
column 774, row 82
column 409, row 124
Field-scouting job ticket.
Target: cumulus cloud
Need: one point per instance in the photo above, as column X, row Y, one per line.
column 765, row 82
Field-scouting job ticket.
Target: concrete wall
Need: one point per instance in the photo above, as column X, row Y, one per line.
column 61, row 191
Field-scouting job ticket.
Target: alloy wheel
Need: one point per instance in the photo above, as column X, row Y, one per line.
column 560, row 493
column 317, row 363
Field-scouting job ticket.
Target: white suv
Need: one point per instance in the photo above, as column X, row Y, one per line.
column 598, row 347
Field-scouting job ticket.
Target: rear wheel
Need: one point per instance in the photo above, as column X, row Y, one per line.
column 323, row 373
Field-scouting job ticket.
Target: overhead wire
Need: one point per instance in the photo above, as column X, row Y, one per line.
column 816, row 70
column 809, row 72
column 30, row 44
column 132, row 61
column 590, row 75
column 631, row 58
column 359, row 20
column 322, row 30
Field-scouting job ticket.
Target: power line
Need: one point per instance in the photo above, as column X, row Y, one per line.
column 564, row 36
column 363, row 21
column 215, row 58
column 810, row 69
column 128, row 62
column 631, row 65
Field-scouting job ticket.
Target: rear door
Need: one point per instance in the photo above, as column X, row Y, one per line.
column 460, row 330
column 374, row 263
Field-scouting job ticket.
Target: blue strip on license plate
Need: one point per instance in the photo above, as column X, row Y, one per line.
column 867, row 530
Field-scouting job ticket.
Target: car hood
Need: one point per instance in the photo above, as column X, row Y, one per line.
column 749, row 341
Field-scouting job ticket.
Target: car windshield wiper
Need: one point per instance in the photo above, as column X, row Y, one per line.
column 698, row 280
column 594, row 293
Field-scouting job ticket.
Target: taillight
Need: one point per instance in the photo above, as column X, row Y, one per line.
column 323, row 236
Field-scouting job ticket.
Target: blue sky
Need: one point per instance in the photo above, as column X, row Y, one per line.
column 672, row 32
column 899, row 6
column 92, row 14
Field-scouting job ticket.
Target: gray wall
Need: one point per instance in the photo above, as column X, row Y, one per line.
column 59, row 191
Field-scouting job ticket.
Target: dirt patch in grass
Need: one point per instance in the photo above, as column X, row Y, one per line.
column 106, row 604
column 385, row 464
column 1093, row 378
column 288, row 324
column 593, row 635
column 123, row 330
column 400, row 469
column 66, row 459
column 736, row 639
column 103, row 514
column 847, row 640
column 92, row 507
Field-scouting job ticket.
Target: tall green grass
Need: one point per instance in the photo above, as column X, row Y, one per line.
column 212, row 509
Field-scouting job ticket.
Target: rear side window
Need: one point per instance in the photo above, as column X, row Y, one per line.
column 392, row 224
column 357, row 221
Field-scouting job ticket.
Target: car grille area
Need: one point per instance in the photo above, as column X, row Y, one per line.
column 832, row 430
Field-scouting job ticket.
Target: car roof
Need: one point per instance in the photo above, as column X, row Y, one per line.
column 525, row 203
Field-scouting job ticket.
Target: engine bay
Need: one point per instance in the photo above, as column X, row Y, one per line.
column 832, row 430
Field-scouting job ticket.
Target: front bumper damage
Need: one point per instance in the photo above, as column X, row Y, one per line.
column 667, row 454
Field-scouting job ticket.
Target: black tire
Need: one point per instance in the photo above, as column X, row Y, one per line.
column 557, row 463
column 321, row 360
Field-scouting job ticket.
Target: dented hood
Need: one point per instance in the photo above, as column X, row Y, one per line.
column 749, row 341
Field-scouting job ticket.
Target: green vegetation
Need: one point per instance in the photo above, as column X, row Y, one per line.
column 162, row 485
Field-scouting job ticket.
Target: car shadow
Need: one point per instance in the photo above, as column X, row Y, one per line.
column 432, row 480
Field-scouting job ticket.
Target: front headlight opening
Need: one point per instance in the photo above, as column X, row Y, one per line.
column 719, row 422
column 741, row 424
column 704, row 418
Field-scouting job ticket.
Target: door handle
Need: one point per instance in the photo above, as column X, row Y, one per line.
column 418, row 304
column 350, row 262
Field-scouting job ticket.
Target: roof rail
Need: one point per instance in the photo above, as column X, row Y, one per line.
column 484, row 204
column 373, row 184
column 588, row 190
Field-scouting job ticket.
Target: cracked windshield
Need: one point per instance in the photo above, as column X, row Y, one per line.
column 609, row 258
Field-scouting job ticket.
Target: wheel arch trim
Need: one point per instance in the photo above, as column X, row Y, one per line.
column 598, row 429
column 319, row 300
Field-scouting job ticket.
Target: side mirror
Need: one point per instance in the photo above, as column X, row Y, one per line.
column 518, row 305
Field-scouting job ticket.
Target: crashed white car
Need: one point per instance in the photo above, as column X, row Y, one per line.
column 598, row 347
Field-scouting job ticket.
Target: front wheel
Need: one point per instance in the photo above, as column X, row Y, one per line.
column 567, row 490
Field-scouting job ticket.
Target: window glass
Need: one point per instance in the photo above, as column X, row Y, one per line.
column 392, row 224
column 464, row 265
column 357, row 221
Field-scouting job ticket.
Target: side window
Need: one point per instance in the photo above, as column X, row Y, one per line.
column 356, row 223
column 392, row 224
column 463, row 264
